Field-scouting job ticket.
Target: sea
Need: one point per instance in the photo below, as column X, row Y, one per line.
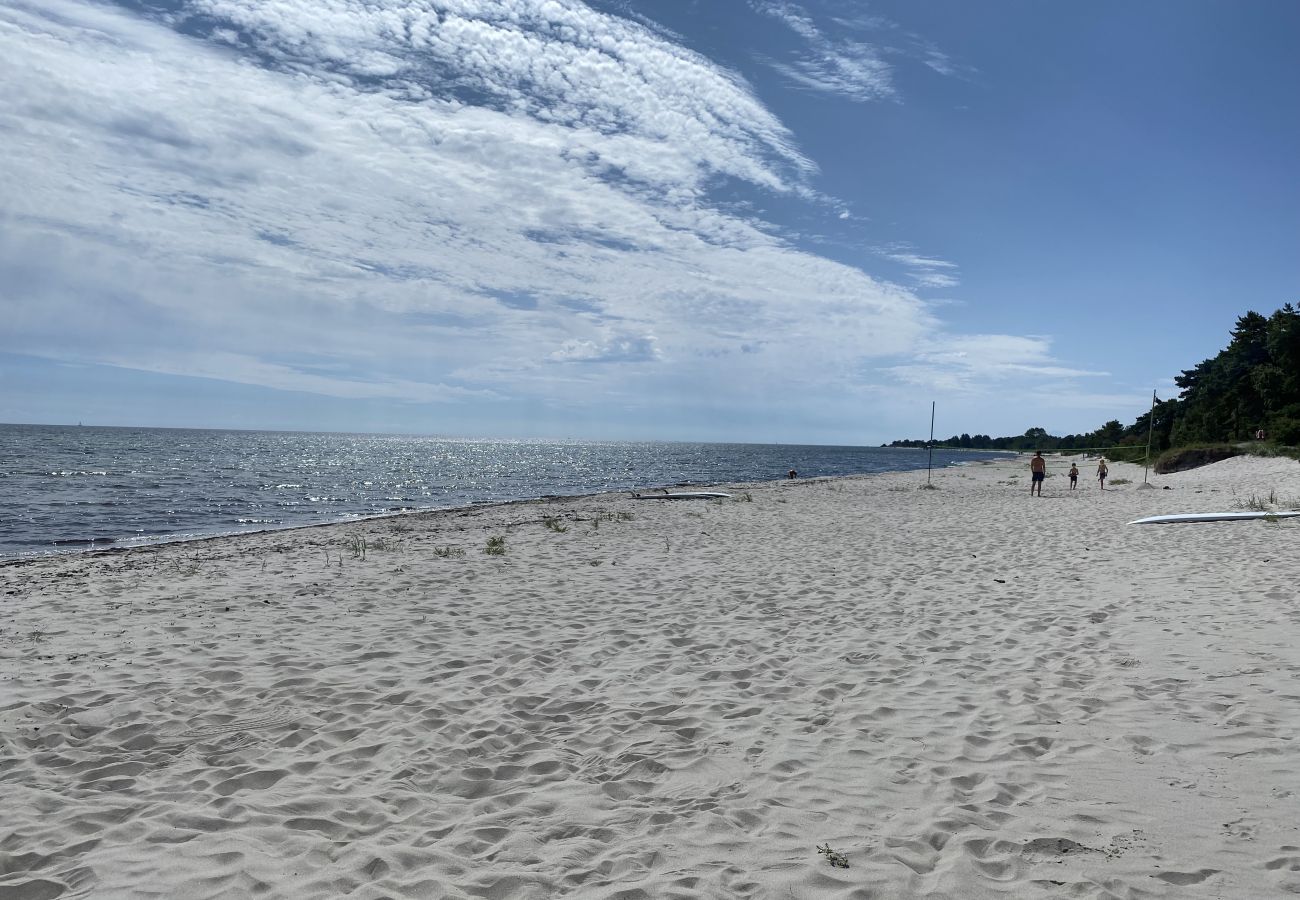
column 73, row 489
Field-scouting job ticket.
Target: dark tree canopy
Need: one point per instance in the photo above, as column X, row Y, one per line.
column 1253, row 384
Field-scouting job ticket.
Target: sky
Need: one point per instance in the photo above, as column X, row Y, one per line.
column 734, row 220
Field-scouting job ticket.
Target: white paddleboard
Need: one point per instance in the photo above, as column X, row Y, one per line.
column 1212, row 517
column 683, row 495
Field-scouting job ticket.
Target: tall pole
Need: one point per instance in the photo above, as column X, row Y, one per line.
column 1151, row 424
column 930, row 459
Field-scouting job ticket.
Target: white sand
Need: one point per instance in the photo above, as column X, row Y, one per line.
column 969, row 692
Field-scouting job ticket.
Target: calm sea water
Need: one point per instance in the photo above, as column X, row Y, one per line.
column 74, row 488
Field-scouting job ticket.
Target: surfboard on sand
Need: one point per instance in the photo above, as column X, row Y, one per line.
column 682, row 495
column 1212, row 517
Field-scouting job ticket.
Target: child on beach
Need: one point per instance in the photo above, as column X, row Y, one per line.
column 1101, row 472
column 1074, row 476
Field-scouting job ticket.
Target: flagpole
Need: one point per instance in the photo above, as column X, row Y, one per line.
column 930, row 459
column 1151, row 424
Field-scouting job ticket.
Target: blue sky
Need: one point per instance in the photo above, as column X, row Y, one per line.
column 758, row 221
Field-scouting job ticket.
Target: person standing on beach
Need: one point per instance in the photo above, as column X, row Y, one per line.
column 1038, row 470
column 1102, row 471
column 1074, row 476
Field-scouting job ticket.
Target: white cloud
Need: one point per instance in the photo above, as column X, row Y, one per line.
column 847, row 67
column 926, row 271
column 979, row 363
column 935, row 280
column 444, row 201
column 621, row 348
column 560, row 61
column 917, row 261
column 939, row 61
column 243, row 369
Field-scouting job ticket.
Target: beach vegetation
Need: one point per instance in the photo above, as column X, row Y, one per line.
column 448, row 552
column 928, row 486
column 1184, row 458
column 496, row 546
column 1119, row 481
column 834, row 857
column 1249, row 387
column 746, row 497
column 357, row 544
column 1258, row 503
column 554, row 523
column 1285, row 430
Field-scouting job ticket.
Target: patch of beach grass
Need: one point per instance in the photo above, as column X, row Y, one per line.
column 496, row 546
column 356, row 543
column 1259, row 503
column 834, row 857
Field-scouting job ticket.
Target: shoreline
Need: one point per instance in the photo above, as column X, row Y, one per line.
column 121, row 545
column 119, row 548
column 966, row 691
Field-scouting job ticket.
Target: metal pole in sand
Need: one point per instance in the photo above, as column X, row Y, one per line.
column 1151, row 424
column 930, row 459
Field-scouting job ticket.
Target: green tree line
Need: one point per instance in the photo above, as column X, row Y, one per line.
column 1251, row 385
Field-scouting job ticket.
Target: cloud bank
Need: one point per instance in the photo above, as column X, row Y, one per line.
column 434, row 202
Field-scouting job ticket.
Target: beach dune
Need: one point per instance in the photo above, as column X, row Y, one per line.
column 967, row 692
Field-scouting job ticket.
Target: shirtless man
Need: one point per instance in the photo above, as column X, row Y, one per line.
column 1038, row 469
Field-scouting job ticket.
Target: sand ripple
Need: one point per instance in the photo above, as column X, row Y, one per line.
column 967, row 692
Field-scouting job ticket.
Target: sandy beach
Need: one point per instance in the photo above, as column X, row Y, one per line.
column 965, row 691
